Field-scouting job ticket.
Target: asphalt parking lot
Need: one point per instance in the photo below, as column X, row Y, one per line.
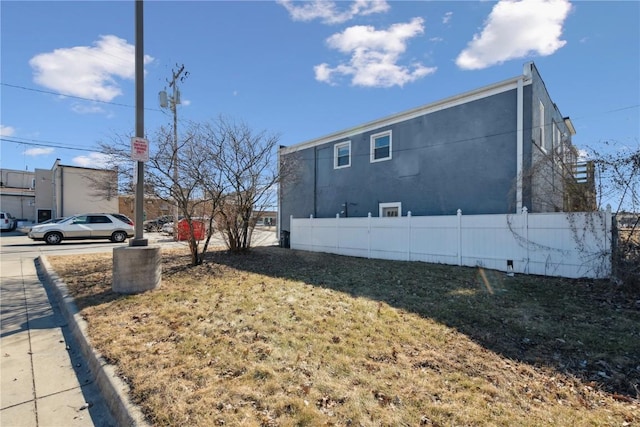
column 17, row 242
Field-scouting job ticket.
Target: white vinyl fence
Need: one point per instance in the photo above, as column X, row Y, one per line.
column 553, row 244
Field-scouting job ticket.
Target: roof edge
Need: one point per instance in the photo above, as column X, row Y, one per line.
column 442, row 104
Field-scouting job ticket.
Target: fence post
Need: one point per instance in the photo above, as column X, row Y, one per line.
column 409, row 236
column 369, row 235
column 311, row 232
column 459, row 213
column 290, row 229
column 337, row 233
column 525, row 232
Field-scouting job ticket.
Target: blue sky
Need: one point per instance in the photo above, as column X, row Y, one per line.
column 301, row 69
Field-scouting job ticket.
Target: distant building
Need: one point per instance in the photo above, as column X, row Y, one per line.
column 17, row 193
column 68, row 190
column 153, row 206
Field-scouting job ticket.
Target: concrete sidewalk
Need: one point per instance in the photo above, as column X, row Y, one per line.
column 44, row 381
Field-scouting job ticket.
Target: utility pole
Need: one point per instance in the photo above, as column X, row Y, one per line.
column 138, row 239
column 172, row 103
column 138, row 267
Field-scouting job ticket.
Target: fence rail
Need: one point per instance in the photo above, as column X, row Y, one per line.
column 570, row 245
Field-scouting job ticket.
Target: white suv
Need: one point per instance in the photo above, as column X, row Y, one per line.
column 115, row 227
column 7, row 222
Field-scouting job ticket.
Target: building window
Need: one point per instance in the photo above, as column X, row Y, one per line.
column 342, row 155
column 543, row 144
column 393, row 209
column 381, row 146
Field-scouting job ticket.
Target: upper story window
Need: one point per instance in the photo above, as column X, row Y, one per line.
column 541, row 127
column 381, row 146
column 342, row 155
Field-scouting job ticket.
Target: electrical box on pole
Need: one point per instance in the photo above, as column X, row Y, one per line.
column 164, row 103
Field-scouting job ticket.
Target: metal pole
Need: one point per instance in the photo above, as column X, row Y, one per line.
column 175, row 155
column 174, row 109
column 138, row 239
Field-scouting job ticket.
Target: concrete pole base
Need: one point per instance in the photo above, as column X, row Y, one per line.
column 136, row 269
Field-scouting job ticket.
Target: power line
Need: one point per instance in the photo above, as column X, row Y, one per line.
column 32, row 141
column 75, row 97
column 48, row 145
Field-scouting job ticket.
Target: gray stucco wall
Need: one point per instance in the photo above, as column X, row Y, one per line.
column 463, row 157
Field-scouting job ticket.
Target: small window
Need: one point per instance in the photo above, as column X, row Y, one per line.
column 390, row 209
column 342, row 155
column 381, row 146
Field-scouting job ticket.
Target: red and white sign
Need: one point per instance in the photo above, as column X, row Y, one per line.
column 139, row 149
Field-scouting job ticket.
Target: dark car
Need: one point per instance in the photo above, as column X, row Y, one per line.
column 156, row 224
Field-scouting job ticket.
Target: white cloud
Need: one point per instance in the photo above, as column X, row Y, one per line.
column 87, row 71
column 328, row 11
column 93, row 160
column 374, row 56
column 516, row 29
column 6, row 130
column 447, row 17
column 38, row 151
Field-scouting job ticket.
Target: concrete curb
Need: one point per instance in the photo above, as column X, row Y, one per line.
column 114, row 391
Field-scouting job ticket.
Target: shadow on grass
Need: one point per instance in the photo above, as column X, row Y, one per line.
column 577, row 327
column 104, row 296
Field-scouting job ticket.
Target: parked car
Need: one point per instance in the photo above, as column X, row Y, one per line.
column 52, row 220
column 112, row 226
column 156, row 224
column 168, row 228
column 7, row 222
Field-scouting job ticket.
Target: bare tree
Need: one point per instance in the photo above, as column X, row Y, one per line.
column 117, row 160
column 618, row 175
column 194, row 185
column 190, row 188
column 227, row 176
column 558, row 181
column 618, row 184
column 563, row 181
column 249, row 171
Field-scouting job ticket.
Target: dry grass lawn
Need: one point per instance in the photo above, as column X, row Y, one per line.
column 278, row 337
